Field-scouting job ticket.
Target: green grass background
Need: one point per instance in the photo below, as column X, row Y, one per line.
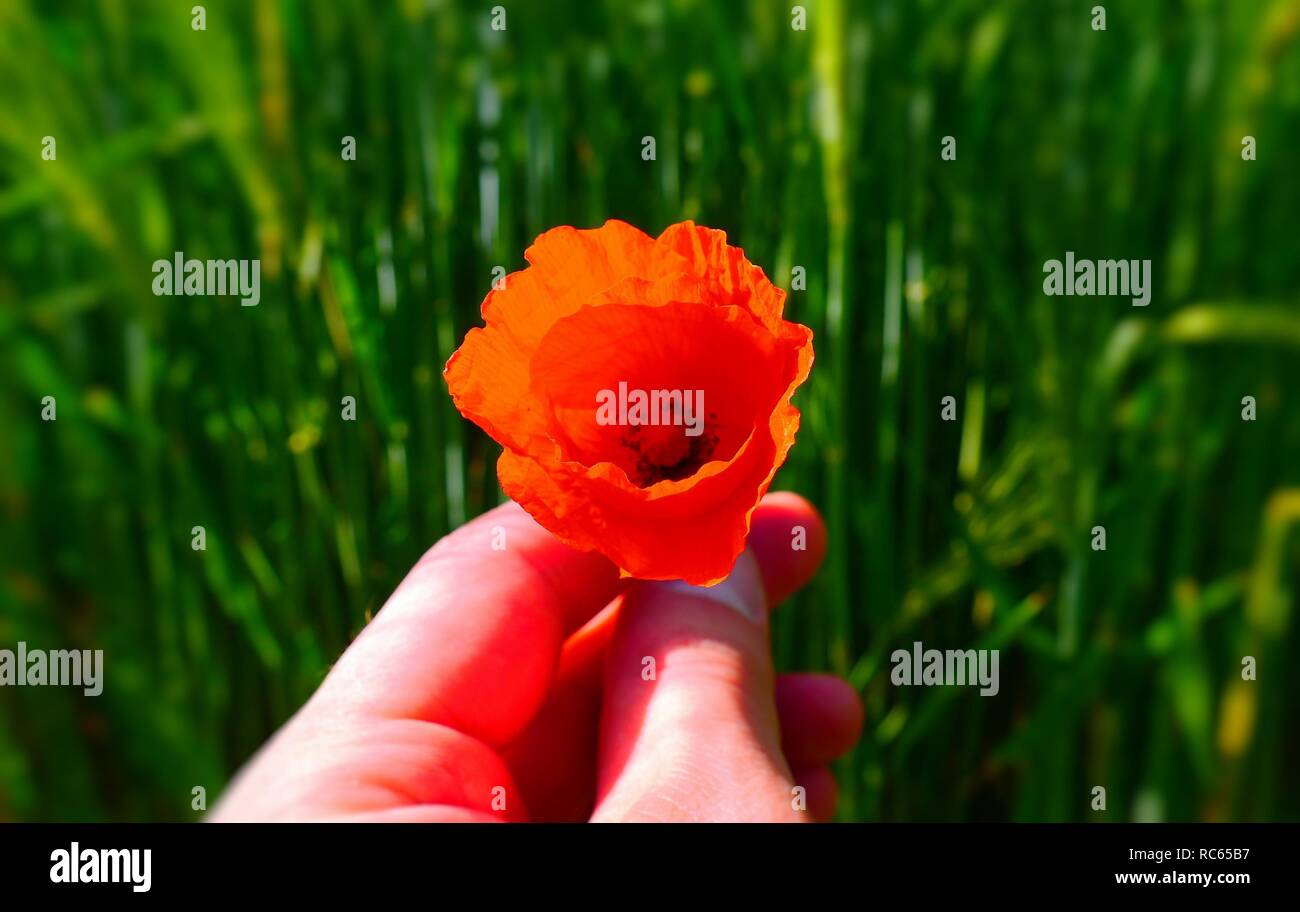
column 816, row 148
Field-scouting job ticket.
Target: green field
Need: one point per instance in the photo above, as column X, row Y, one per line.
column 817, row 149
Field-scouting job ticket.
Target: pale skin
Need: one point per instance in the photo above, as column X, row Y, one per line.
column 531, row 683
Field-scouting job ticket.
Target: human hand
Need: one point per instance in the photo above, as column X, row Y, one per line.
column 531, row 683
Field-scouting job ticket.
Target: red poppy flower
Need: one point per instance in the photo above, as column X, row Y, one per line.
column 641, row 390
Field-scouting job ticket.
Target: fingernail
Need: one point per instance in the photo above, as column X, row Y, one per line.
column 741, row 591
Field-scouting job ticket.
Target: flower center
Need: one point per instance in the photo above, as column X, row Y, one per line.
column 663, row 453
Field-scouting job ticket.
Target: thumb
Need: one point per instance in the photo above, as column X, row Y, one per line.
column 689, row 726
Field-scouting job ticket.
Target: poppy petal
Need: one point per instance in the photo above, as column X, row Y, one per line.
column 488, row 374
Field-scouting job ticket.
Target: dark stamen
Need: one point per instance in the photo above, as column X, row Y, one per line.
column 668, row 457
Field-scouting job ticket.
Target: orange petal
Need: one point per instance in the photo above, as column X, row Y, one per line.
column 704, row 253
column 488, row 374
